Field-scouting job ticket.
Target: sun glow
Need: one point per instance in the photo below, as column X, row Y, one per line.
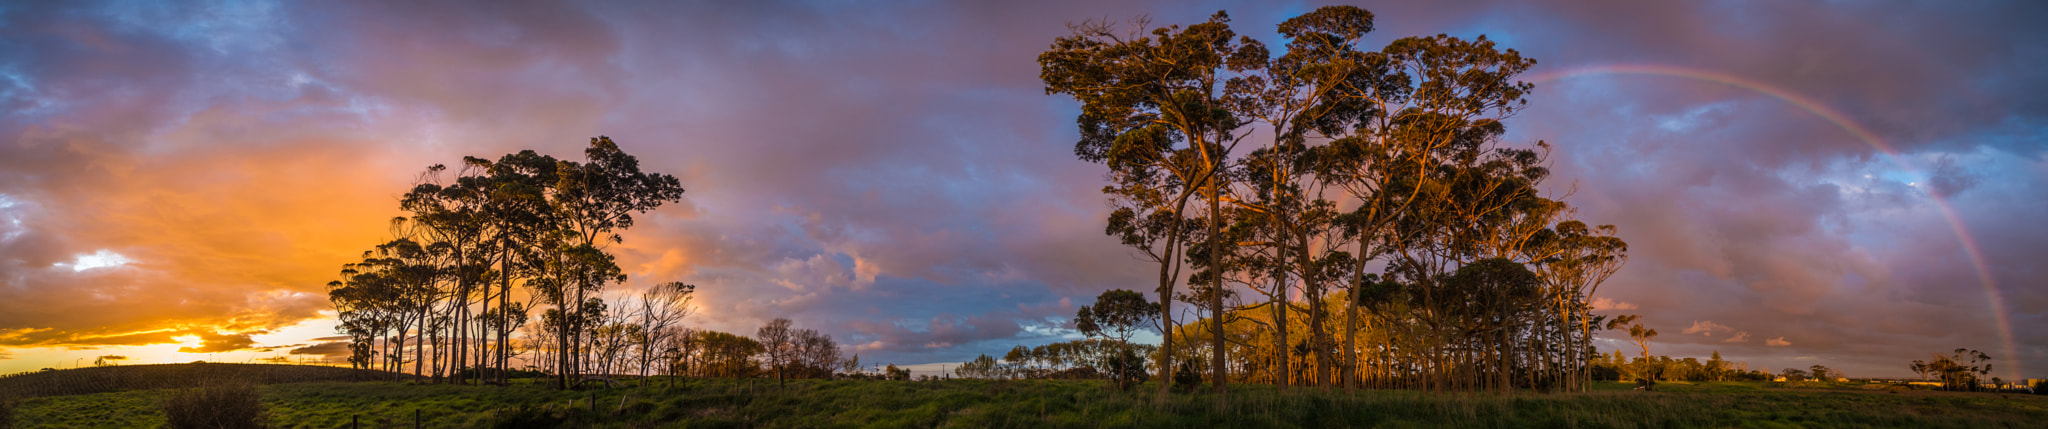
column 101, row 259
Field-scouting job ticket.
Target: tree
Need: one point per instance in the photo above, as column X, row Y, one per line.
column 851, row 366
column 662, row 309
column 1641, row 336
column 1298, row 95
column 981, row 367
column 1487, row 284
column 109, row 360
column 1151, row 109
column 593, row 201
column 1961, row 370
column 1793, row 374
column 1117, row 314
column 1822, row 373
column 816, row 354
column 778, row 342
column 524, row 218
column 1716, row 368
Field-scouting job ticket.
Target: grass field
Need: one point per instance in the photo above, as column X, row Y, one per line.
column 980, row 403
column 132, row 377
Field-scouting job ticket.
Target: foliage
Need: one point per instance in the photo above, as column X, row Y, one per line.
column 1486, row 285
column 445, row 279
column 216, row 404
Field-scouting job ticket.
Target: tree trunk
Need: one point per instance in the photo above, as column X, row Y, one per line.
column 1218, row 371
column 1166, row 281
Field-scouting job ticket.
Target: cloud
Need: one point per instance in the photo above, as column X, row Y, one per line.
column 1706, row 328
column 1739, row 337
column 1777, row 342
column 216, row 343
column 1610, row 304
column 329, row 351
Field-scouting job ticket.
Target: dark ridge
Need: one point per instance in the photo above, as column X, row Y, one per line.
column 167, row 376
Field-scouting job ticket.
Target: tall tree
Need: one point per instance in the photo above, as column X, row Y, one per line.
column 1298, row 96
column 1155, row 100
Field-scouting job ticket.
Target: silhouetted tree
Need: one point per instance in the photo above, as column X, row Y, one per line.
column 778, row 342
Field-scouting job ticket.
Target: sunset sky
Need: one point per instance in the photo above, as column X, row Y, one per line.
column 1850, row 184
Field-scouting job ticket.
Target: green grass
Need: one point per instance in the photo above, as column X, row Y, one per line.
column 978, row 403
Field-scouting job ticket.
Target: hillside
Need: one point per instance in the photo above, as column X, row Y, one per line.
column 165, row 376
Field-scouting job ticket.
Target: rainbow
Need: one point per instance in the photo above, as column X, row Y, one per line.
column 1955, row 223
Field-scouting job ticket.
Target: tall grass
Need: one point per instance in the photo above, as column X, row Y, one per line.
column 219, row 404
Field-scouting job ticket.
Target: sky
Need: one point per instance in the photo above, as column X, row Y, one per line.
column 1849, row 184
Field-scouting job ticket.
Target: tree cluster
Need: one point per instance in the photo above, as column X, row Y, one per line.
column 1963, row 370
column 1339, row 216
column 1090, row 358
column 478, row 252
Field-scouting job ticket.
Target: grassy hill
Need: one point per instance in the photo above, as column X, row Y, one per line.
column 1038, row 403
column 137, row 377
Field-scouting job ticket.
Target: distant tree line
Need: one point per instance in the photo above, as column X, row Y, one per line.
column 1341, row 217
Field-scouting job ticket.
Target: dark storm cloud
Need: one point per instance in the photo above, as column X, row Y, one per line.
column 894, row 175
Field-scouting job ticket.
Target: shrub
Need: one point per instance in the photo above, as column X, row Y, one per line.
column 217, row 404
column 1186, row 377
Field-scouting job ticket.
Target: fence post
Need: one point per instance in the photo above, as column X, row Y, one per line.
column 415, row 418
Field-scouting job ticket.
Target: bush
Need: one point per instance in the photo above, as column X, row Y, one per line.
column 217, row 404
column 1186, row 377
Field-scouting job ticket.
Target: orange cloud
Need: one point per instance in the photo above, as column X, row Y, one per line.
column 216, row 343
column 1609, row 304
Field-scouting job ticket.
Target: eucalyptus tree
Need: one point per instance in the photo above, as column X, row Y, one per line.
column 1298, row 96
column 1152, row 106
column 591, row 202
column 451, row 219
column 1581, row 258
column 516, row 187
column 1422, row 159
